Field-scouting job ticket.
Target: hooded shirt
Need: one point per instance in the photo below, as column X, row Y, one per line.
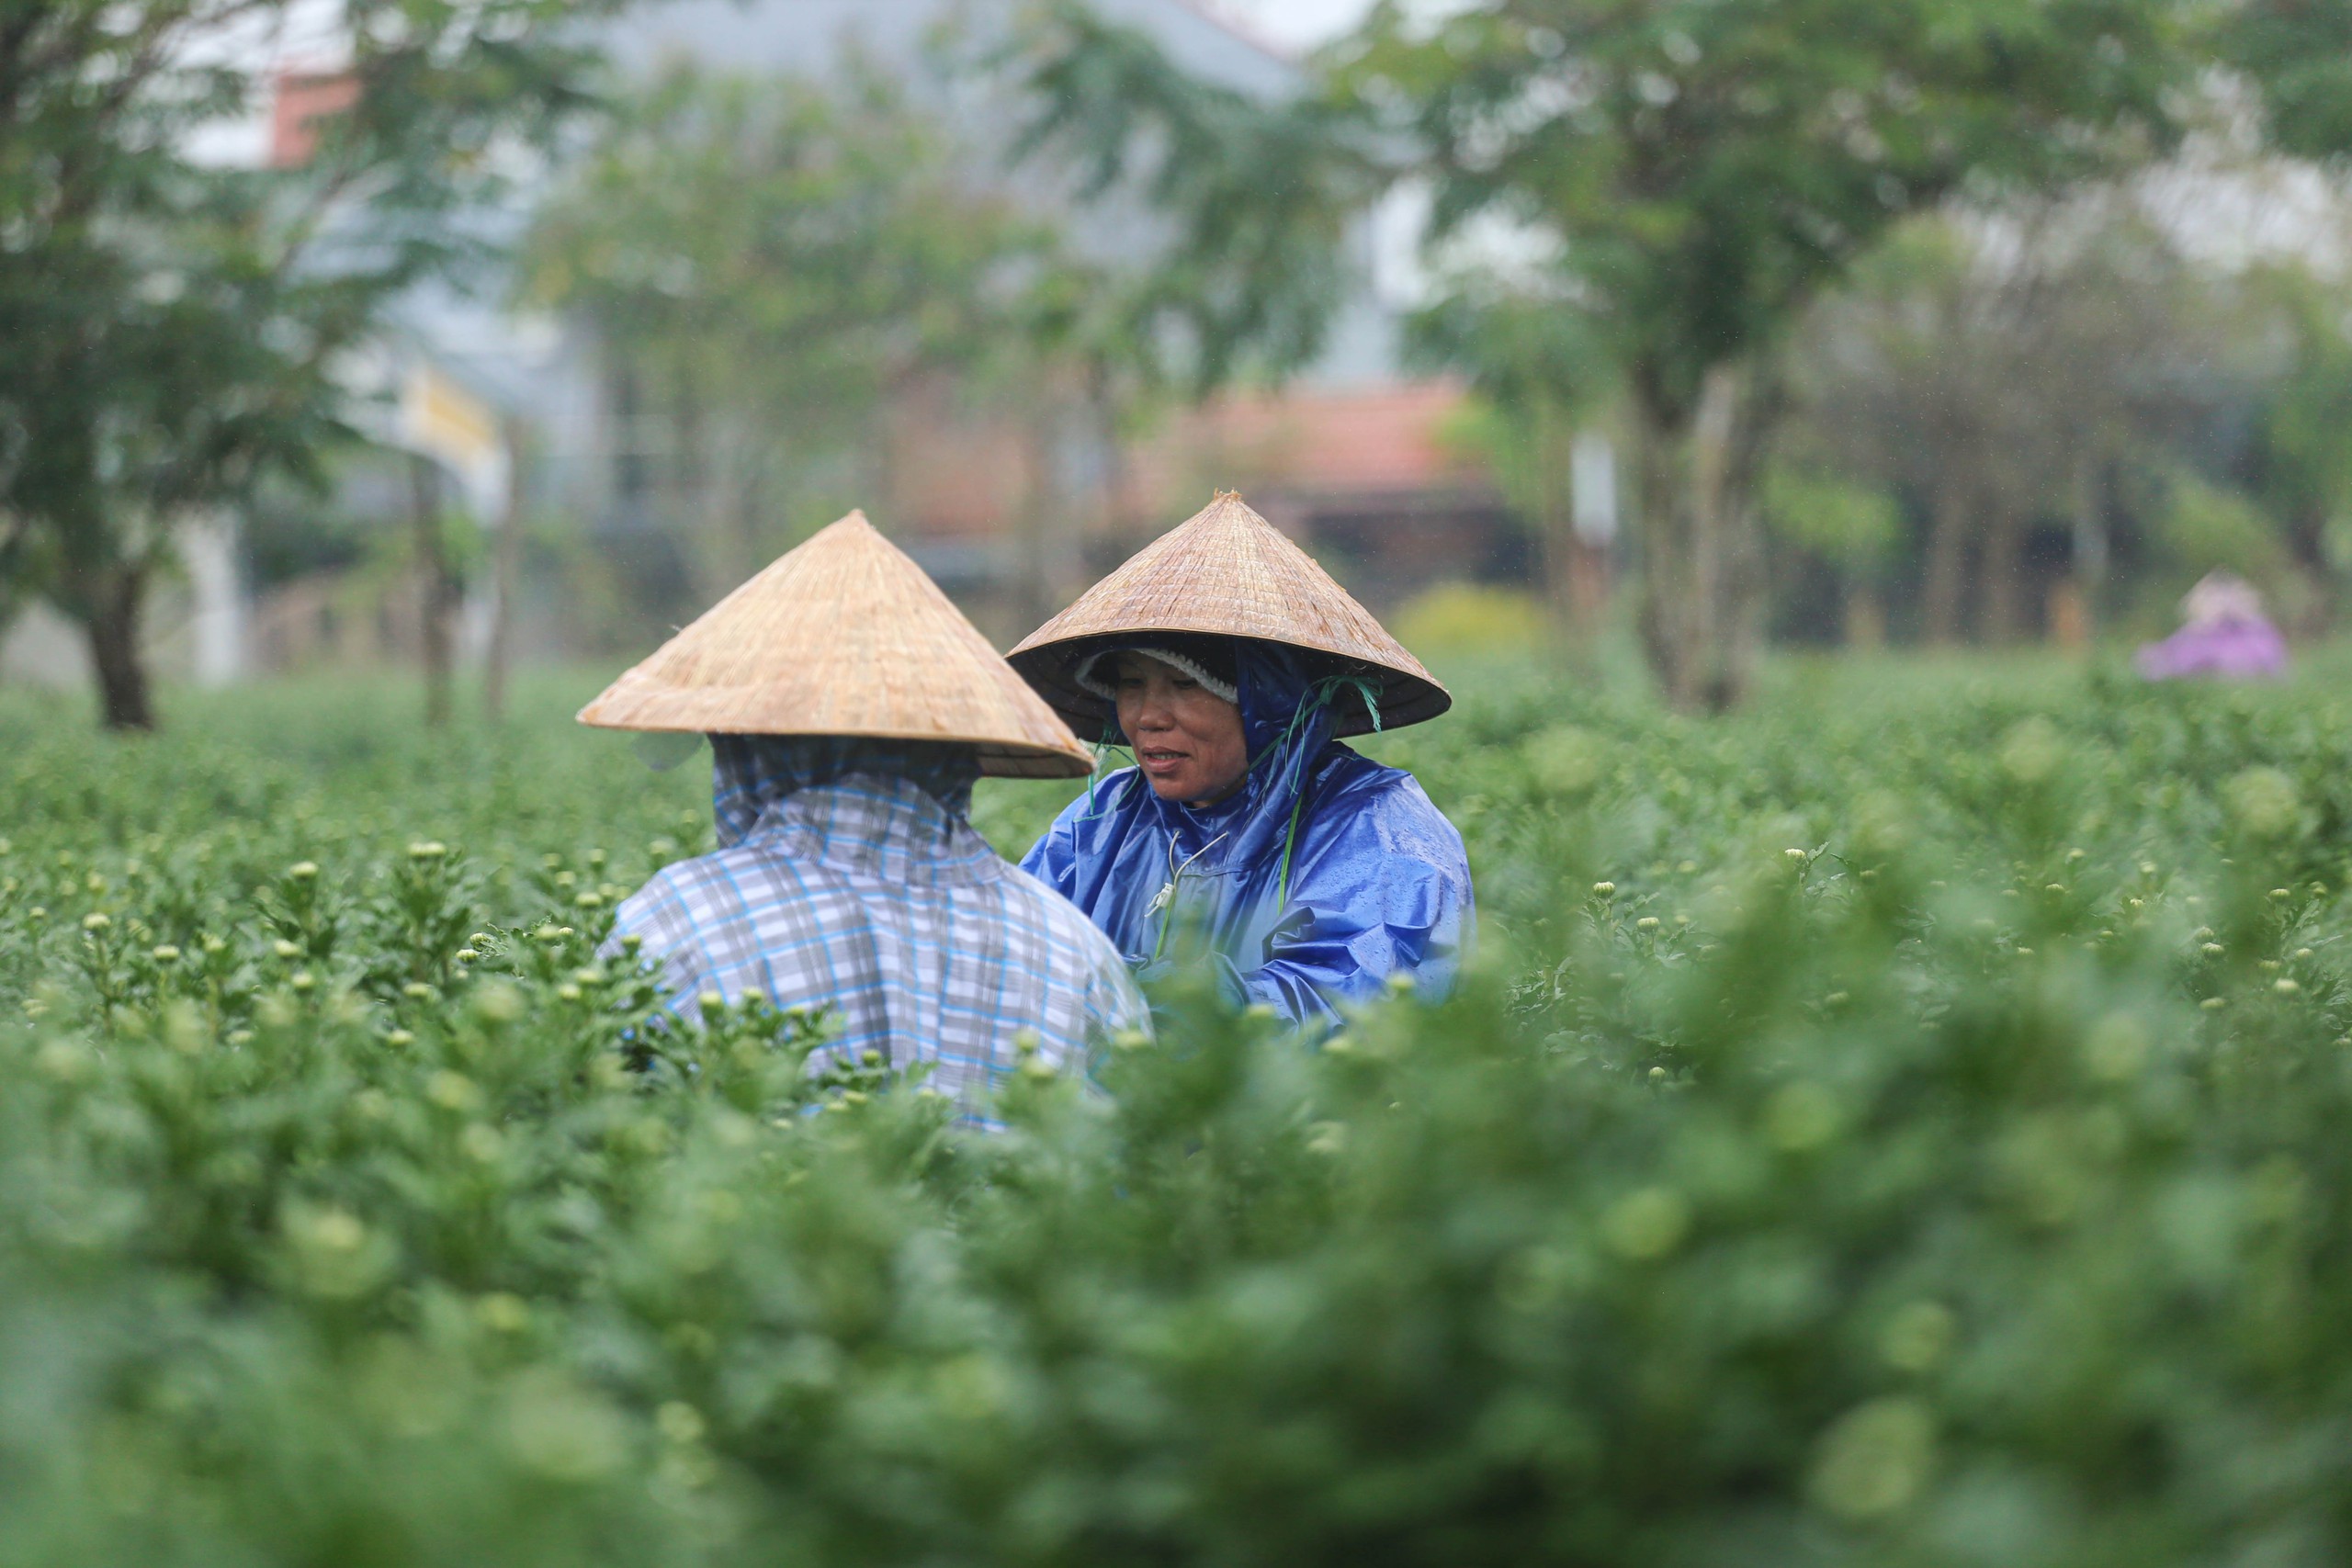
column 847, row 879
column 1320, row 878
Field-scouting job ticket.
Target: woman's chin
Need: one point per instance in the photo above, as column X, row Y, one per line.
column 1187, row 787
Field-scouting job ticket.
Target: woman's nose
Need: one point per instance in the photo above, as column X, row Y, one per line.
column 1152, row 712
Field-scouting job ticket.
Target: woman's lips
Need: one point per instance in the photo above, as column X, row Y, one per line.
column 1161, row 761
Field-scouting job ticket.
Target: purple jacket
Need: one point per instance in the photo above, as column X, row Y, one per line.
column 2237, row 648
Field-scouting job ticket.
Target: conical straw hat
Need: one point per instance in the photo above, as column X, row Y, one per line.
column 1228, row 572
column 843, row 635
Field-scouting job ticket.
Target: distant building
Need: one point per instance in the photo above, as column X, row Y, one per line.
column 1369, row 476
column 1014, row 513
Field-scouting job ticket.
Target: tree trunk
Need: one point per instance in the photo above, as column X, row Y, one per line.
column 506, row 569
column 1947, row 561
column 2316, row 569
column 1554, row 520
column 1037, row 529
column 116, row 601
column 1703, row 579
column 2090, row 550
column 1575, row 569
column 103, row 584
column 1588, row 584
column 1865, row 616
column 435, row 587
column 2004, row 593
column 1555, row 524
column 753, row 493
column 706, row 491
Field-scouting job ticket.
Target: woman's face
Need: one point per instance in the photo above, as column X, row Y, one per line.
column 1187, row 740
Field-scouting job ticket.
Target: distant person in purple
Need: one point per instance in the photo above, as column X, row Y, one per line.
column 2226, row 634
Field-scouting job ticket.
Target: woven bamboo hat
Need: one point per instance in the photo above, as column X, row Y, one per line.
column 1228, row 572
column 843, row 635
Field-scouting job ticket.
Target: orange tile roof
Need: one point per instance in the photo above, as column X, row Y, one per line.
column 966, row 474
column 300, row 99
column 1384, row 440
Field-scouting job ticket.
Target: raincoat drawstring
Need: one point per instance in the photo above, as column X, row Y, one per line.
column 1163, row 902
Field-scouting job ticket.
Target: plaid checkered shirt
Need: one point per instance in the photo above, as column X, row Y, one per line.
column 869, row 898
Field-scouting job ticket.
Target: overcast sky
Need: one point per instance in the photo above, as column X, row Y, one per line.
column 1296, row 24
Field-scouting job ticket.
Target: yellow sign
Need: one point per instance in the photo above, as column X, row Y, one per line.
column 442, row 421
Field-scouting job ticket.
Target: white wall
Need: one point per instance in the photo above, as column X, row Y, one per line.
column 41, row 648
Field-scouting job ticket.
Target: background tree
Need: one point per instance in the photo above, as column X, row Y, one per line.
column 1539, row 379
column 2300, row 53
column 1694, row 174
column 2302, row 467
column 766, row 265
column 1705, row 171
column 1852, row 527
column 1997, row 367
column 175, row 326
column 1250, row 200
column 1901, row 383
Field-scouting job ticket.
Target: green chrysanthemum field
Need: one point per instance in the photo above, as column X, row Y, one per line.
column 1910, row 1123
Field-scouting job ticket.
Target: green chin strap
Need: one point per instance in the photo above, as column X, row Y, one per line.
column 1319, row 695
column 1103, row 751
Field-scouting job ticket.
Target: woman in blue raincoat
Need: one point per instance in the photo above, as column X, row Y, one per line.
column 1230, row 665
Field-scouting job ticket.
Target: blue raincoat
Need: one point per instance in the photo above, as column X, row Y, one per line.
column 1322, row 877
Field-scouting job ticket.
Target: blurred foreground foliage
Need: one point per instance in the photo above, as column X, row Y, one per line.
column 1902, row 1124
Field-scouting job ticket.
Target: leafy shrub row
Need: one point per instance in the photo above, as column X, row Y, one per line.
column 1902, row 1126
